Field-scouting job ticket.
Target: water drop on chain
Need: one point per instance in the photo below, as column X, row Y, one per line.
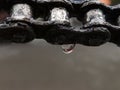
column 67, row 49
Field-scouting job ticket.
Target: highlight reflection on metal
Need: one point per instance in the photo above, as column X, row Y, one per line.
column 95, row 16
column 21, row 12
column 23, row 23
column 59, row 15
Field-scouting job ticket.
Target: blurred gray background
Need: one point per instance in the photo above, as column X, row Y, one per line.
column 42, row 66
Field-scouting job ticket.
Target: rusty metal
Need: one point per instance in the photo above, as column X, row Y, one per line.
column 50, row 20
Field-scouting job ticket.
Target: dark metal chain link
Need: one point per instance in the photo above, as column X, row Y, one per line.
column 50, row 20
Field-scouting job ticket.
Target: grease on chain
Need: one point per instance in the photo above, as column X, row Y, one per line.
column 50, row 20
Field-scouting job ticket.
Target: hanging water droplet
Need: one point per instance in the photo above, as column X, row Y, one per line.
column 67, row 49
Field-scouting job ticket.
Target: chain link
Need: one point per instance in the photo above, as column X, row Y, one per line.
column 50, row 20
